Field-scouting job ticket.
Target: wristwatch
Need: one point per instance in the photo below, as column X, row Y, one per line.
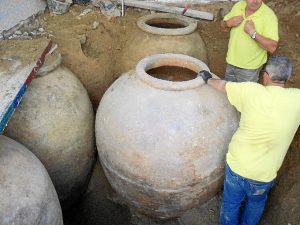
column 253, row 36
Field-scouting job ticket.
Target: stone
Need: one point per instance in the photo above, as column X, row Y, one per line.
column 18, row 32
column 95, row 25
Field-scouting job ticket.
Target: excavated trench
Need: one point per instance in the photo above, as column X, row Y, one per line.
column 88, row 52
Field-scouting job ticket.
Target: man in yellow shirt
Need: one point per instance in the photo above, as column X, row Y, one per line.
column 253, row 30
column 258, row 147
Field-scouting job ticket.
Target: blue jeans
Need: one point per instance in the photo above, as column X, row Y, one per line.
column 238, row 189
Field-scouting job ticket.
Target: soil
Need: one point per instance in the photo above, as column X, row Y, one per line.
column 90, row 46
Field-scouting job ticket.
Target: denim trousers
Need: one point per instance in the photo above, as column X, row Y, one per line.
column 237, row 190
column 236, row 74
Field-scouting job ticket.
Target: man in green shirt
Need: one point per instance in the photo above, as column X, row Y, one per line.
column 253, row 30
column 258, row 147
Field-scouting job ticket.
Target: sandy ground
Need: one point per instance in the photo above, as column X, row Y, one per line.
column 90, row 46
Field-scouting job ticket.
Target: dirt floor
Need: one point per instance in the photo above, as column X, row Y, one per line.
column 91, row 47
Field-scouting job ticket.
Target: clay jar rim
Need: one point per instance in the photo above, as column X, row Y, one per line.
column 169, row 59
column 46, row 69
column 189, row 23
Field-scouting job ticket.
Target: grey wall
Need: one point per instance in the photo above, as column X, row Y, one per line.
column 14, row 11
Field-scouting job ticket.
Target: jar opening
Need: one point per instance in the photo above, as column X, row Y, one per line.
column 166, row 23
column 172, row 73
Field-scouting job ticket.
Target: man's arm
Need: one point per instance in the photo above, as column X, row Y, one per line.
column 226, row 25
column 219, row 85
column 266, row 43
column 235, row 92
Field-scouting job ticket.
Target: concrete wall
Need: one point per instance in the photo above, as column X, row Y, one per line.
column 14, row 11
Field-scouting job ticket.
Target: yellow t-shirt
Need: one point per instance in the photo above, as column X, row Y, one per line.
column 243, row 51
column 270, row 117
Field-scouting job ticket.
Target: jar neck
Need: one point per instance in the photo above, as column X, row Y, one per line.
column 188, row 25
column 170, row 60
column 46, row 69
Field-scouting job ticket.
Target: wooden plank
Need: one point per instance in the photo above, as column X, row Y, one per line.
column 15, row 77
column 170, row 9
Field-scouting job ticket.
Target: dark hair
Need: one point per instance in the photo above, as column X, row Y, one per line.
column 279, row 68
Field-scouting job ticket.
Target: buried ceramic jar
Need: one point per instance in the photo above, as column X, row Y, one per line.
column 162, row 33
column 162, row 135
column 55, row 120
column 27, row 195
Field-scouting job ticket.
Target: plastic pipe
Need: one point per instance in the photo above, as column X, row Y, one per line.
column 122, row 7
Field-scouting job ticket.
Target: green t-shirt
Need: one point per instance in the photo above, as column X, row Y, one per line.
column 243, row 51
column 270, row 117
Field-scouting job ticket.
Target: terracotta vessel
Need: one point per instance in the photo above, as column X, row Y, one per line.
column 162, row 135
column 162, row 33
column 55, row 120
column 27, row 193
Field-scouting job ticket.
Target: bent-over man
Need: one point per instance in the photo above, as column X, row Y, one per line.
column 270, row 117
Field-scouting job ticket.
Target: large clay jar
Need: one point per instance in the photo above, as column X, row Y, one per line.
column 162, row 33
column 162, row 135
column 55, row 120
column 27, row 195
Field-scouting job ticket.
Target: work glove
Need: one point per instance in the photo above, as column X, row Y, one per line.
column 205, row 75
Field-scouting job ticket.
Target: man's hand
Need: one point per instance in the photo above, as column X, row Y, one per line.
column 265, row 43
column 234, row 21
column 249, row 27
column 219, row 85
column 205, row 75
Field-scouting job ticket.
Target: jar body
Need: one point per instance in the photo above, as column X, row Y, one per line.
column 55, row 121
column 163, row 150
column 27, row 193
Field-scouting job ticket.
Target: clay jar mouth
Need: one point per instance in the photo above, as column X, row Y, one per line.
column 167, row 24
column 52, row 61
column 174, row 72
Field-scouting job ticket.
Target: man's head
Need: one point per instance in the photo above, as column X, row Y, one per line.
column 253, row 5
column 278, row 70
